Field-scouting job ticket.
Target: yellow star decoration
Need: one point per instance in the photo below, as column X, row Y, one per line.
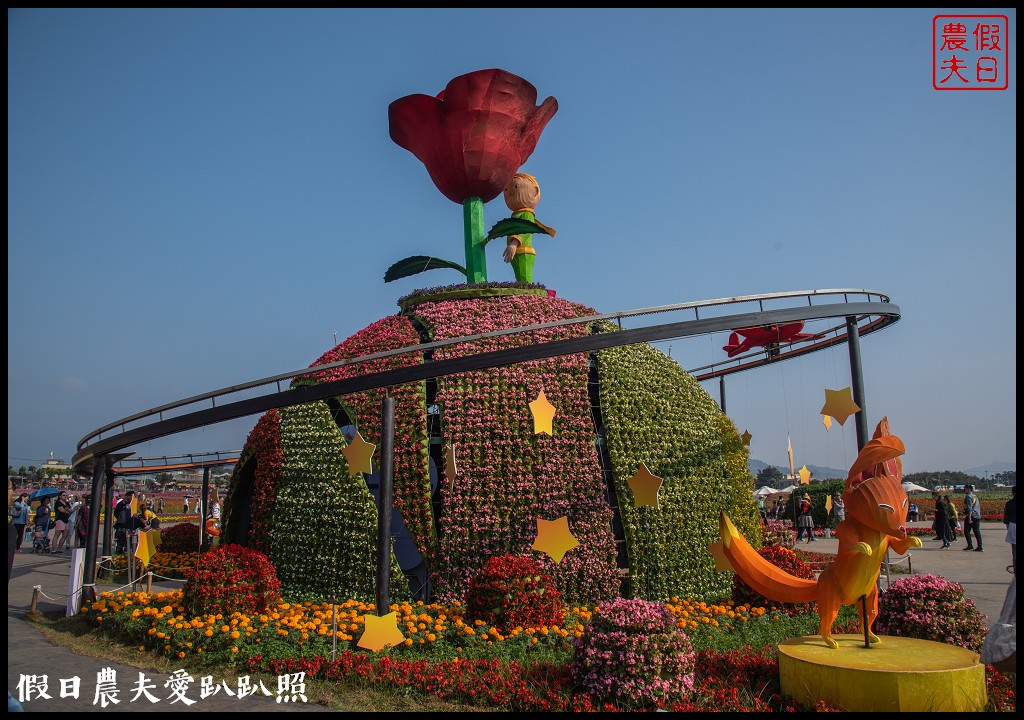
column 381, row 632
column 826, row 420
column 839, row 404
column 805, row 476
column 554, row 538
column 721, row 561
column 358, row 454
column 828, row 504
column 449, row 465
column 543, row 413
column 645, row 486
column 745, row 437
column 146, row 548
column 134, row 504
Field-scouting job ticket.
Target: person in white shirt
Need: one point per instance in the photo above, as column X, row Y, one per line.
column 76, row 504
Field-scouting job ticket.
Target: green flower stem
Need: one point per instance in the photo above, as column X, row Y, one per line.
column 473, row 224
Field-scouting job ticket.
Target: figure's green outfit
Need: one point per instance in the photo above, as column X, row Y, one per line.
column 522, row 263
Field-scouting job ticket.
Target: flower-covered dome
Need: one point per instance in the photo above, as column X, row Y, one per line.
column 614, row 409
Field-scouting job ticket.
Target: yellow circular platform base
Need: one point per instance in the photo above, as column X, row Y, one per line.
column 899, row 674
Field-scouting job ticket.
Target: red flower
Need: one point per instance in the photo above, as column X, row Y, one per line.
column 475, row 134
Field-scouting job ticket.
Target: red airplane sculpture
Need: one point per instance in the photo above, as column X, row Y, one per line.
column 769, row 336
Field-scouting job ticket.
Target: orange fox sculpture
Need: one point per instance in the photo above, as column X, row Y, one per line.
column 876, row 515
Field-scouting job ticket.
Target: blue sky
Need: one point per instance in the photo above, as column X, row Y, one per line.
column 199, row 198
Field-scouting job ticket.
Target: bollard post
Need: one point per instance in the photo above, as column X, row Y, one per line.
column 34, row 606
column 334, row 626
column 149, row 582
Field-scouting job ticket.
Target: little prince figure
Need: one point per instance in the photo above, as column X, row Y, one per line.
column 521, row 196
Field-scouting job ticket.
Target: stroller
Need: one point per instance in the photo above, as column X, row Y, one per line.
column 40, row 541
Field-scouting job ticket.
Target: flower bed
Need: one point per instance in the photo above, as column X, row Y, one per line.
column 446, row 657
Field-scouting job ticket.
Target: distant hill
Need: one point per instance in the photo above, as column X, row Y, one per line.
column 755, row 466
column 817, row 471
column 992, row 468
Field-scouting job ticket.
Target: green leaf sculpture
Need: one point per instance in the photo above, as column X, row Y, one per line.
column 515, row 226
column 417, row 264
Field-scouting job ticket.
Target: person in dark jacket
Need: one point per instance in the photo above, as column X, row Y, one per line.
column 941, row 524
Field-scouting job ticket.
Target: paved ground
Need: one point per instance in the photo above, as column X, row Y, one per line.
column 28, row 653
column 983, row 575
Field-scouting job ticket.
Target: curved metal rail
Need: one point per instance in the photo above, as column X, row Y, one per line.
column 163, row 463
column 873, row 309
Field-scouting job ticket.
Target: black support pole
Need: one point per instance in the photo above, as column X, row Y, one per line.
column 108, row 512
column 93, row 533
column 857, row 379
column 721, row 391
column 387, row 465
column 204, row 505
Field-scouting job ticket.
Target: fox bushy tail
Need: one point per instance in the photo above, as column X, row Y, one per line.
column 769, row 580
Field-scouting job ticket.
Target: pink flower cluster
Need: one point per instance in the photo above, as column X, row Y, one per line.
column 930, row 607
column 631, row 653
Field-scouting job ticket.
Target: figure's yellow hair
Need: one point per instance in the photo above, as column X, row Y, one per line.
column 531, row 178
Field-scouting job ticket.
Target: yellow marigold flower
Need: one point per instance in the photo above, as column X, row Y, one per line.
column 234, row 649
column 431, row 637
column 235, row 634
column 408, row 641
column 181, row 654
column 209, row 632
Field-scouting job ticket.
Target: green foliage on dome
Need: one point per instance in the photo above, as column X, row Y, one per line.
column 655, row 413
column 324, row 528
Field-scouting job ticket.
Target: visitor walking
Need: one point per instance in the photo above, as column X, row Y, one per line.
column 838, row 508
column 804, row 519
column 972, row 518
column 42, row 522
column 936, row 528
column 123, row 522
column 62, row 511
column 954, row 518
column 12, row 534
column 76, row 505
column 941, row 524
column 19, row 518
column 82, row 524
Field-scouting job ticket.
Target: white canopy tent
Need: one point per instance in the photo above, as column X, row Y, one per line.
column 787, row 489
column 764, row 491
column 912, row 487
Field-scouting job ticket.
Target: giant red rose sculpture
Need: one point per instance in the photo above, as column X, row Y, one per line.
column 475, row 134
column 472, row 138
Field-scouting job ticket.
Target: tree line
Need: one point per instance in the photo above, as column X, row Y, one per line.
column 773, row 477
